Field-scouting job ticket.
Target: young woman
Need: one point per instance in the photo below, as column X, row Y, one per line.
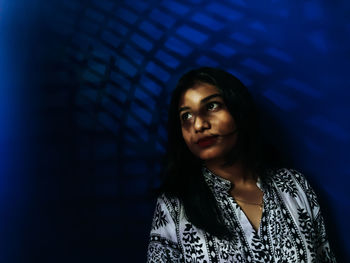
column 221, row 201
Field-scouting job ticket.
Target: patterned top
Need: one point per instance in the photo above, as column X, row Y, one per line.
column 291, row 227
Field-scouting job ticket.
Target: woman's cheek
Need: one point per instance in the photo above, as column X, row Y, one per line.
column 186, row 136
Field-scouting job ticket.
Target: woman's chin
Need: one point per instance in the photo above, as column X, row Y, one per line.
column 209, row 156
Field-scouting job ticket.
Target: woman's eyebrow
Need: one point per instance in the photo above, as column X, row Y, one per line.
column 210, row 97
column 202, row 101
column 183, row 109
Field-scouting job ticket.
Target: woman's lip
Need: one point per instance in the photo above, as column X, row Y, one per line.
column 207, row 141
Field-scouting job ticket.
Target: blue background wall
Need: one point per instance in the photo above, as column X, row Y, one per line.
column 95, row 80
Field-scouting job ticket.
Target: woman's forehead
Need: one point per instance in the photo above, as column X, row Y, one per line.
column 197, row 93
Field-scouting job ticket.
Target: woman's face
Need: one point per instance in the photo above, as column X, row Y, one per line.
column 207, row 126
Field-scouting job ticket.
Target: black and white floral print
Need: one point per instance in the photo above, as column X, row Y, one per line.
column 193, row 247
column 159, row 219
column 163, row 250
column 291, row 228
column 285, row 183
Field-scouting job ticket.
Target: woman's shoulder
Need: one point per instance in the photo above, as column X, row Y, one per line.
column 288, row 180
column 167, row 198
column 294, row 183
column 286, row 174
column 169, row 203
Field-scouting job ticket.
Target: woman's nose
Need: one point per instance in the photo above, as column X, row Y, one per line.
column 201, row 124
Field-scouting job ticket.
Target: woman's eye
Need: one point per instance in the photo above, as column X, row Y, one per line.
column 186, row 116
column 212, row 105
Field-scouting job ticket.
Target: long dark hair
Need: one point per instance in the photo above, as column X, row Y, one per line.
column 183, row 176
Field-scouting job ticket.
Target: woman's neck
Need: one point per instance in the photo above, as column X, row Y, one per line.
column 236, row 173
